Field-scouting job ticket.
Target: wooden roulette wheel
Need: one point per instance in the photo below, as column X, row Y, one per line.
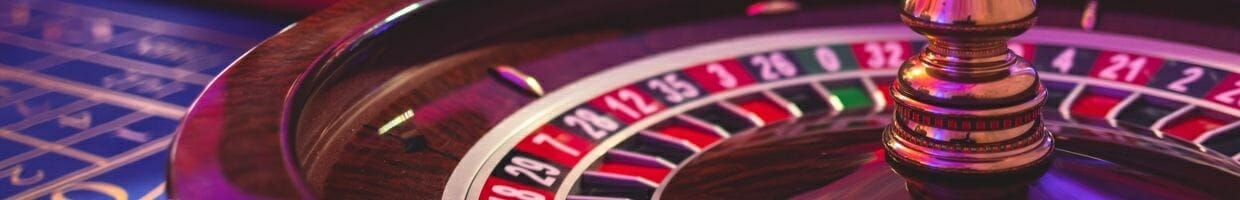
column 721, row 100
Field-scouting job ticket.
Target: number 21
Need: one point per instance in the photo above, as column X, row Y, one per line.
column 1123, row 61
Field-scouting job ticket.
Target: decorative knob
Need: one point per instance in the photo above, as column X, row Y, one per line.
column 967, row 106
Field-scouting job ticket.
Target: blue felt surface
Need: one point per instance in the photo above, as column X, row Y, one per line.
column 61, row 134
column 112, row 143
column 13, row 55
column 49, row 166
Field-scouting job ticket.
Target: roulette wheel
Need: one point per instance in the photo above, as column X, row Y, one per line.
column 727, row 100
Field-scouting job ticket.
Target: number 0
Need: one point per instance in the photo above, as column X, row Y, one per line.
column 827, row 58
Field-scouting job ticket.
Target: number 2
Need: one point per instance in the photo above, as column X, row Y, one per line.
column 1190, row 75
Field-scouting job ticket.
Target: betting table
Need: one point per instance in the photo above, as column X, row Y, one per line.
column 92, row 92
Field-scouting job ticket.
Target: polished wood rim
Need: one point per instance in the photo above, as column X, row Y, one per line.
column 219, row 155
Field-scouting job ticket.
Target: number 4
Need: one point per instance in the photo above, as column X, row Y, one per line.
column 1063, row 61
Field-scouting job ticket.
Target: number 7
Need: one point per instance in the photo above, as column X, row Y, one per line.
column 542, row 138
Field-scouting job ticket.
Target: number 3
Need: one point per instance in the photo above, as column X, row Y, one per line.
column 726, row 79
